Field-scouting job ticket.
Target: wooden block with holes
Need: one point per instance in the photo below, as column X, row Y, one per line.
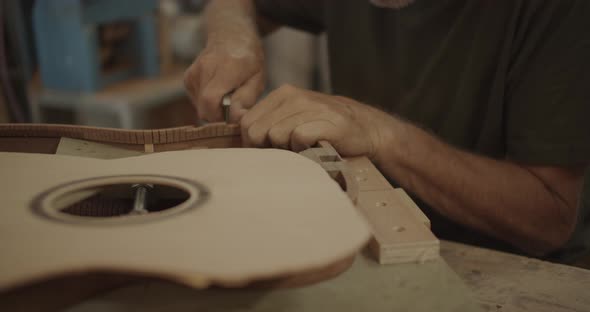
column 401, row 232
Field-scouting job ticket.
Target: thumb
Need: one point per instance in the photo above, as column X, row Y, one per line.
column 245, row 96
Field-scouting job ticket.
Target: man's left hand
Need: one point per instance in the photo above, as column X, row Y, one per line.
column 296, row 119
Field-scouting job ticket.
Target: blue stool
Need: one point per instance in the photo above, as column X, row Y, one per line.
column 67, row 39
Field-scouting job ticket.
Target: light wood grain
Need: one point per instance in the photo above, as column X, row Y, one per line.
column 270, row 213
column 510, row 283
column 75, row 147
column 412, row 207
column 400, row 231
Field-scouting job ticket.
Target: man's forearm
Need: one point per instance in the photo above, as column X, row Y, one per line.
column 230, row 18
column 498, row 197
column 236, row 19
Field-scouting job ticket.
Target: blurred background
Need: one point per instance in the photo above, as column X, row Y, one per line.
column 120, row 64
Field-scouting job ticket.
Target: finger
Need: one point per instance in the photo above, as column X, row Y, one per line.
column 254, row 132
column 308, row 134
column 246, row 95
column 215, row 85
column 269, row 103
column 280, row 132
column 191, row 83
column 260, row 129
column 212, row 92
column 236, row 113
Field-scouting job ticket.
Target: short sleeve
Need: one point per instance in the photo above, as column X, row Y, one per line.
column 306, row 15
column 548, row 92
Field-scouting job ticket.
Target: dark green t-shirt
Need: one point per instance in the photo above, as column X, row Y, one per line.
column 509, row 79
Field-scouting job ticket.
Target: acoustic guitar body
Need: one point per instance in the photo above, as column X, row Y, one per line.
column 229, row 217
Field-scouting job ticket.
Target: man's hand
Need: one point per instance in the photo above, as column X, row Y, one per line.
column 533, row 208
column 296, row 119
column 231, row 61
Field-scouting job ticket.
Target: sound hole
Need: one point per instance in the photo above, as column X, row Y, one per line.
column 125, row 199
column 120, row 200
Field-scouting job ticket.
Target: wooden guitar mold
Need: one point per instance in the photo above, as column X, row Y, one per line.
column 400, row 231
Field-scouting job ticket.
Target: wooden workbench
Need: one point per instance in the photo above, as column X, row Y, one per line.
column 366, row 286
column 495, row 281
column 510, row 283
column 486, row 280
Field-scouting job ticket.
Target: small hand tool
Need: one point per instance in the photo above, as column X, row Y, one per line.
column 225, row 104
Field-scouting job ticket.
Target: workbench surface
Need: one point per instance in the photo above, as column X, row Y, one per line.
column 467, row 278
column 510, row 283
column 488, row 281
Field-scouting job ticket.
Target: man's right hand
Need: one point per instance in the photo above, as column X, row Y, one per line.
column 233, row 60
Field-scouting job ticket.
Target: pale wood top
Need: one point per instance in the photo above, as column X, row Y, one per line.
column 268, row 213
